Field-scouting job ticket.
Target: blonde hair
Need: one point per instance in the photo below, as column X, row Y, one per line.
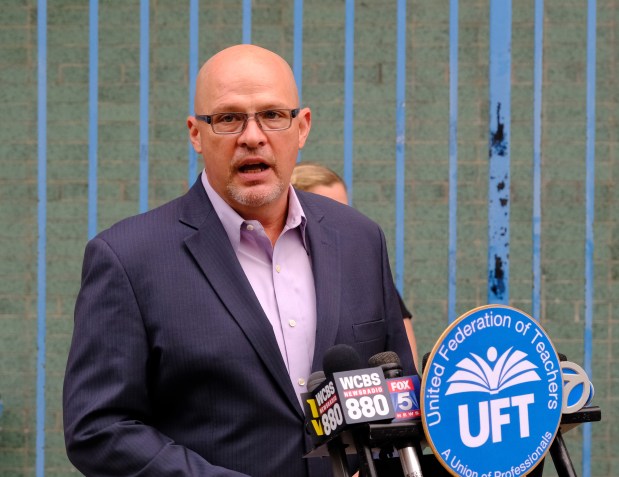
column 308, row 175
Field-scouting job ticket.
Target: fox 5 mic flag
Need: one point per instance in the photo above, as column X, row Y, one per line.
column 491, row 395
column 405, row 397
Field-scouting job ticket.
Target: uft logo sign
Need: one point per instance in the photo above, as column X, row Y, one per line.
column 491, row 394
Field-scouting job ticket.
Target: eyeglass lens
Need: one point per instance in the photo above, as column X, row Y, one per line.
column 270, row 120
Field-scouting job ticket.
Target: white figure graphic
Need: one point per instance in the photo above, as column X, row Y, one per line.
column 510, row 368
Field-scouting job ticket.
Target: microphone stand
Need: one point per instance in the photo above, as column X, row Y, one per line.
column 409, row 460
column 366, row 461
column 561, row 457
column 558, row 450
column 404, row 436
column 337, row 454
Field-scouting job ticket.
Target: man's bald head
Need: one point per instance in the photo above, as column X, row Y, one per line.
column 245, row 65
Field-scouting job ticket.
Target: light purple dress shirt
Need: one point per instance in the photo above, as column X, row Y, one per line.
column 281, row 277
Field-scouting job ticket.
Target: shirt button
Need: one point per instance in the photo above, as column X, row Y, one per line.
column 278, row 268
column 301, row 382
column 250, row 227
column 292, row 323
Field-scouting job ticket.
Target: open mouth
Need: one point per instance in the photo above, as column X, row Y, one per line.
column 253, row 168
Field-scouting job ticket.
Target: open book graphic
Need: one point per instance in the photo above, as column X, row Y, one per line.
column 509, row 369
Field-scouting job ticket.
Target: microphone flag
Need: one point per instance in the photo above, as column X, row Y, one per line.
column 577, row 389
column 405, row 397
column 347, row 398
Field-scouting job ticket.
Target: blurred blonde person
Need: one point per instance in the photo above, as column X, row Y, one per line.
column 320, row 180
column 312, row 177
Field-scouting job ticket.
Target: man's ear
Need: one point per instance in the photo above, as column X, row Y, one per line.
column 194, row 134
column 305, row 124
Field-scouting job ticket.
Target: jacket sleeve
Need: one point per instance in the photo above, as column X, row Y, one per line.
column 107, row 412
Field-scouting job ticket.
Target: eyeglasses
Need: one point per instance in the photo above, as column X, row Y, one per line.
column 235, row 123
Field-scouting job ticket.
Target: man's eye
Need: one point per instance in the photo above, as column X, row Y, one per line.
column 272, row 114
column 227, row 118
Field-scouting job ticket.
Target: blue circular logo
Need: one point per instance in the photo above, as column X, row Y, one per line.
column 491, row 395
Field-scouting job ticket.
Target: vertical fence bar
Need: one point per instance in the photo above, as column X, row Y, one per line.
column 93, row 115
column 144, row 120
column 42, row 232
column 247, row 21
column 453, row 157
column 590, row 214
column 499, row 158
column 298, row 47
column 193, row 73
column 298, row 53
column 349, row 95
column 537, row 157
column 400, row 143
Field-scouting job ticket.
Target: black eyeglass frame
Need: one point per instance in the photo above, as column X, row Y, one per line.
column 208, row 119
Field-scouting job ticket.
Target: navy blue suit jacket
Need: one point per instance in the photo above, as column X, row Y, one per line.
column 174, row 369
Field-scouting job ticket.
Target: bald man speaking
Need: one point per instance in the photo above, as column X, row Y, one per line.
column 198, row 323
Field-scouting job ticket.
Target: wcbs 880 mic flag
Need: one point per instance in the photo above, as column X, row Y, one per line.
column 350, row 395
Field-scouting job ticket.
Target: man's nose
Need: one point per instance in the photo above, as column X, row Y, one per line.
column 253, row 135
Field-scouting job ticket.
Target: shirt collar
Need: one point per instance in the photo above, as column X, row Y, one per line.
column 233, row 222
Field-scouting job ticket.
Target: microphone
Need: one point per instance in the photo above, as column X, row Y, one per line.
column 313, row 424
column 350, row 394
column 390, row 363
column 402, row 391
column 315, row 379
column 338, row 358
column 341, row 396
column 573, row 377
column 344, row 395
column 341, row 357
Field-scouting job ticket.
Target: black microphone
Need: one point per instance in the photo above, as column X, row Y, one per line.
column 404, row 390
column 348, row 395
column 392, row 368
column 313, row 425
column 338, row 358
column 315, row 380
column 389, row 361
column 341, row 357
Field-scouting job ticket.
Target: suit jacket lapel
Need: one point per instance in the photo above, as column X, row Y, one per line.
column 326, row 264
column 211, row 249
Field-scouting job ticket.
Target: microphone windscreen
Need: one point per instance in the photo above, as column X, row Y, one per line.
column 315, row 380
column 341, row 357
column 386, row 357
column 390, row 363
